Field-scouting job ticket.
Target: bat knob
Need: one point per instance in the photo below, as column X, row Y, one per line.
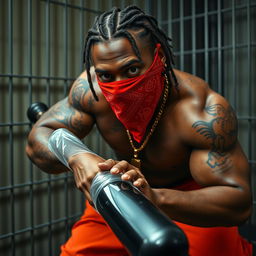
column 35, row 111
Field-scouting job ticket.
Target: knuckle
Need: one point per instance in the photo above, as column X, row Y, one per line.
column 82, row 185
column 90, row 178
column 141, row 180
column 79, row 185
column 123, row 163
column 131, row 172
column 134, row 172
column 111, row 161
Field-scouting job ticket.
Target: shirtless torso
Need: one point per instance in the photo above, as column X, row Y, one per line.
column 166, row 157
column 195, row 138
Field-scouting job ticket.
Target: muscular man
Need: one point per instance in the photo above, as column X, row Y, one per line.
column 181, row 135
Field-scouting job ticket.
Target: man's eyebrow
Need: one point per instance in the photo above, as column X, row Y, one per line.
column 131, row 62
column 127, row 64
column 98, row 70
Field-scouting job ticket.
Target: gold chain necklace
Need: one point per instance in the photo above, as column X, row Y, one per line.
column 135, row 160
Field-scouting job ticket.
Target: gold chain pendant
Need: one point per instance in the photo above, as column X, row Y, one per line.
column 136, row 162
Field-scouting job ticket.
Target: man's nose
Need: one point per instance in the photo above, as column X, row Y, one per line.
column 119, row 78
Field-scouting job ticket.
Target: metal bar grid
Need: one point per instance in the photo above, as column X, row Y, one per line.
column 66, row 4
column 38, row 182
column 12, row 237
column 82, row 29
column 66, row 61
column 10, row 124
column 249, row 52
column 169, row 16
column 47, row 80
column 96, row 5
column 48, row 73
column 159, row 12
column 219, row 28
column 234, row 53
column 181, row 24
column 209, row 13
column 37, row 77
column 249, row 110
column 215, row 47
column 31, row 169
column 206, row 42
column 193, row 38
column 10, row 53
column 36, row 227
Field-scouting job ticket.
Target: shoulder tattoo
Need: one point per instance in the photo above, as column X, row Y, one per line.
column 67, row 115
column 79, row 91
column 221, row 131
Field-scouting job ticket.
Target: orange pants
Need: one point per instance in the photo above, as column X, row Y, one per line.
column 91, row 236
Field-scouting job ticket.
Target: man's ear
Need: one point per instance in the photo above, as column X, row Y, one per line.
column 161, row 55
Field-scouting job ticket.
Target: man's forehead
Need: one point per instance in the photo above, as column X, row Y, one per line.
column 114, row 47
column 121, row 46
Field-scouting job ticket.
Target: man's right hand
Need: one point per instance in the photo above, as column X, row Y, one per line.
column 85, row 167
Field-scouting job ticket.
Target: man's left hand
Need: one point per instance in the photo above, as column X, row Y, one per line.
column 130, row 173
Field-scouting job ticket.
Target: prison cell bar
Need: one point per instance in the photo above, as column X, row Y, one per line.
column 48, row 79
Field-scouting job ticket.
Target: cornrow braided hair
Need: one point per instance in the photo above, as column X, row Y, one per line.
column 114, row 24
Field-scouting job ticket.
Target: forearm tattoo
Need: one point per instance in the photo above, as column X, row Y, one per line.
column 222, row 132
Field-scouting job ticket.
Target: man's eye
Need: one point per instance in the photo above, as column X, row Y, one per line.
column 133, row 71
column 105, row 77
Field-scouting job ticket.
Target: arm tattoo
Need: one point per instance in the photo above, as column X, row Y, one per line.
column 68, row 116
column 222, row 131
column 78, row 93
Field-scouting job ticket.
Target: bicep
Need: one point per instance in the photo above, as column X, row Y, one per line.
column 217, row 157
column 220, row 168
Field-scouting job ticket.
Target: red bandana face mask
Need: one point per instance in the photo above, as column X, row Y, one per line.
column 134, row 100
